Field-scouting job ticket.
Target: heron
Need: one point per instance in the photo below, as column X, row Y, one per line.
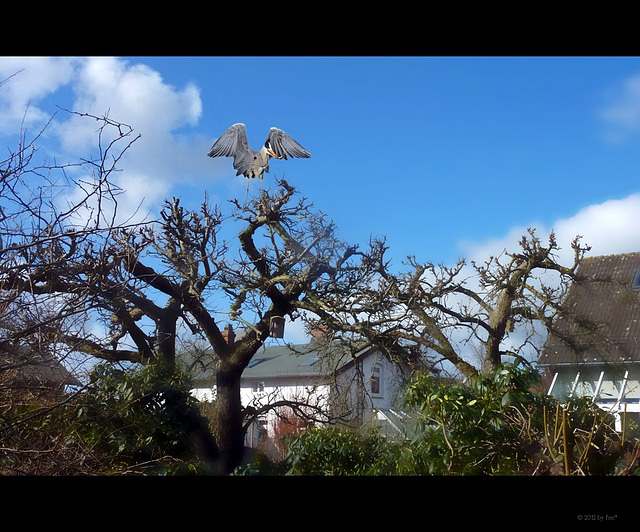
column 248, row 162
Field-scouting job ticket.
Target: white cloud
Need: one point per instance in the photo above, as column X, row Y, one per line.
column 621, row 115
column 133, row 94
column 295, row 333
column 610, row 227
column 31, row 80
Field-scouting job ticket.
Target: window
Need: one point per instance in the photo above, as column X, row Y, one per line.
column 309, row 362
column 635, row 284
column 376, row 381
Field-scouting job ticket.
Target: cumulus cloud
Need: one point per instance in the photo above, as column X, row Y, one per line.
column 136, row 95
column 609, row 228
column 133, row 94
column 27, row 82
column 168, row 152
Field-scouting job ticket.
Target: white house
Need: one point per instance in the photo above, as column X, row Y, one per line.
column 595, row 348
column 354, row 388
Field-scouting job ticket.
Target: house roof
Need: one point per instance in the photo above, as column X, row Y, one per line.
column 34, row 367
column 312, row 359
column 601, row 317
column 297, row 361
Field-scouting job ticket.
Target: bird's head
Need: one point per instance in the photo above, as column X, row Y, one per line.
column 271, row 152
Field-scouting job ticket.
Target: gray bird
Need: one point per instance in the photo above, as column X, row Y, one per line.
column 250, row 163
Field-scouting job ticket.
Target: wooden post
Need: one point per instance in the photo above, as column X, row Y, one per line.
column 566, row 442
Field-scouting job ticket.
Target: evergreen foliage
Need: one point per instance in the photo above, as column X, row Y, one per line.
column 145, row 418
column 497, row 424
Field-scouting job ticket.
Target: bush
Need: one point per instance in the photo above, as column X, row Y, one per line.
column 144, row 419
column 330, row 451
column 496, row 425
column 499, row 425
column 37, row 439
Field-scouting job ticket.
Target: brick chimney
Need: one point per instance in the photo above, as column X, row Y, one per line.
column 319, row 330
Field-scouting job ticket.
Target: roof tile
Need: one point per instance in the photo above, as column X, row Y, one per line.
column 601, row 322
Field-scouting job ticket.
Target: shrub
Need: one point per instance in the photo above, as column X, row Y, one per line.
column 498, row 424
column 145, row 419
column 330, row 451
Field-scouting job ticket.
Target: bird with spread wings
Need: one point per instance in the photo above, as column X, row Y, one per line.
column 251, row 163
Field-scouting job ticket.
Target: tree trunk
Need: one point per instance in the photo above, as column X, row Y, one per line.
column 167, row 332
column 228, row 419
column 498, row 320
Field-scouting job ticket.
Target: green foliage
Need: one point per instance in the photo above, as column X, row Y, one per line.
column 144, row 419
column 329, row 451
column 474, row 429
column 138, row 421
column 496, row 424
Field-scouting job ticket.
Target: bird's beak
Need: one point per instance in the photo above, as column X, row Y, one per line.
column 272, row 153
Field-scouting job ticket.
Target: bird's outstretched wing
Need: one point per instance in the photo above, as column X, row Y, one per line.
column 284, row 146
column 234, row 143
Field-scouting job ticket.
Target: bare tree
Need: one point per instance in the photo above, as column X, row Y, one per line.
column 432, row 313
column 74, row 277
column 125, row 292
column 47, row 240
column 41, row 229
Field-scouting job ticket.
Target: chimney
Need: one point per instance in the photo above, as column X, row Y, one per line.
column 228, row 335
column 319, row 330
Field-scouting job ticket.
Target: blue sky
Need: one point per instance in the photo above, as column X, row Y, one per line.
column 445, row 156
